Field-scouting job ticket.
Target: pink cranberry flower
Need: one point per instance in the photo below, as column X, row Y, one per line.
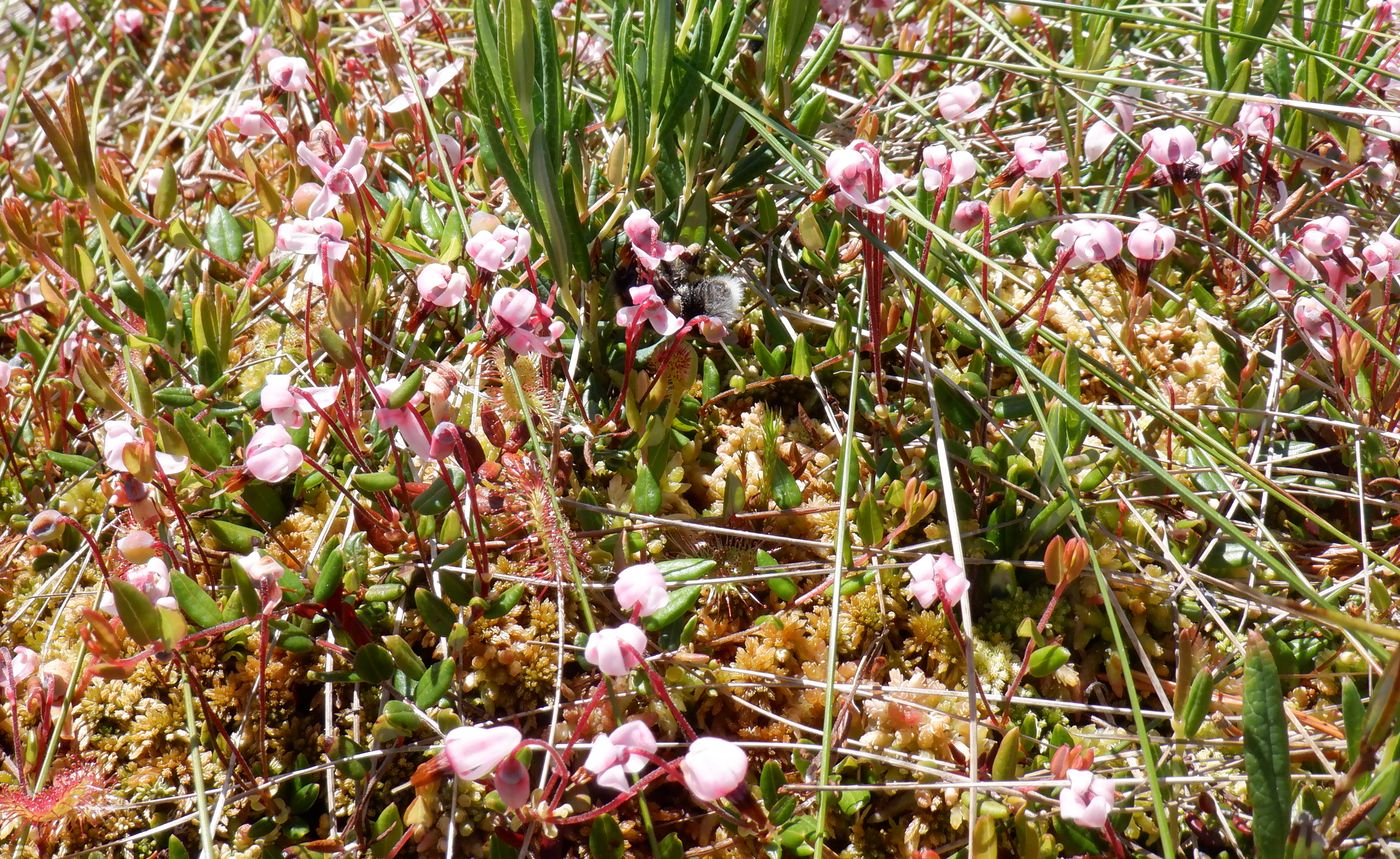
column 64, row 19
column 1223, row 152
column 940, row 165
column 641, row 586
column 605, row 649
column 620, row 754
column 271, row 456
column 1089, row 241
column 1104, row 132
column 137, row 546
column 526, row 322
column 1036, row 159
column 1317, row 324
column 440, row 286
column 714, row 768
column 443, row 441
column 1170, row 147
column 499, row 248
column 286, row 403
column 343, row 178
column 289, row 74
column 431, row 84
column 152, row 579
column 1088, row 799
column 861, row 177
column 645, row 235
column 1382, row 257
column 128, row 21
column 22, row 663
column 1151, row 239
column 260, row 568
column 473, row 751
column 647, row 305
column 1258, row 120
column 1280, row 285
column 1324, row 236
column 451, row 150
column 250, row 119
column 405, row 418
column 956, row 102
column 122, row 442
column 316, row 237
column 1385, row 10
column 937, row 579
column 967, row 215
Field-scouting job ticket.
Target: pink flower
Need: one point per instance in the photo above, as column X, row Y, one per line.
column 1089, row 241
column 645, row 235
column 451, row 150
column 343, row 178
column 122, row 441
column 259, row 567
column 431, row 85
column 441, row 286
column 472, row 751
column 1324, row 236
column 271, row 456
column 641, row 586
column 526, row 323
column 286, row 403
column 968, row 215
column 1223, row 151
column 940, row 165
column 251, row 119
column 1102, row 133
column 861, row 177
column 714, row 768
column 405, row 419
column 956, row 102
column 315, row 237
column 1258, row 120
column 499, row 248
column 937, row 579
column 1036, row 159
column 64, row 19
column 1088, row 799
column 1151, row 239
column 1280, row 284
column 712, row 329
column 128, row 21
column 513, row 783
column 443, row 441
column 138, row 547
column 1317, row 324
column 1382, row 257
column 619, row 754
column 647, row 305
column 23, row 663
column 289, row 74
column 152, row 579
column 1385, row 9
column 605, row 649
column 1170, row 146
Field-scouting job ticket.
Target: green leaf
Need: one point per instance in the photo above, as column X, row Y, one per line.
column 205, row 449
column 646, row 493
column 681, row 602
column 71, row 462
column 435, row 683
column 671, row 847
column 1266, row 749
column 223, row 234
column 1049, row 659
column 194, row 601
column 140, row 618
column 437, row 614
column 503, row 604
column 770, row 780
column 237, row 538
column 1197, row 704
column 375, row 481
column 330, row 577
column 605, row 839
column 373, row 663
column 1353, row 716
column 685, row 569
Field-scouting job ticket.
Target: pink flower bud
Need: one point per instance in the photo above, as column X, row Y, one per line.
column 1323, row 236
column 1383, row 257
column 1151, row 239
column 956, row 102
column 936, row 579
column 968, row 215
column 1088, row 799
column 1222, row 151
column 473, row 751
column 443, row 441
column 714, row 768
column 1036, row 159
column 64, row 19
column 942, row 166
column 526, row 324
column 271, row 456
column 138, row 547
column 1089, row 241
column 128, row 21
column 641, row 586
column 861, row 177
column 1170, row 146
column 441, row 286
column 500, row 248
column 19, row 667
column 289, row 74
column 1258, row 120
column 513, row 783
column 1317, row 324
column 605, row 649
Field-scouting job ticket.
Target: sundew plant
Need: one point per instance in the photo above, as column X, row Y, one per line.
column 700, row 428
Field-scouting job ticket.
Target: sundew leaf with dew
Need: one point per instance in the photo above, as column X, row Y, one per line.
column 1266, row 749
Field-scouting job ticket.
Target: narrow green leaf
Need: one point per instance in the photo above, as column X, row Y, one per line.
column 224, row 235
column 435, row 683
column 1266, row 749
column 194, row 601
column 139, row 616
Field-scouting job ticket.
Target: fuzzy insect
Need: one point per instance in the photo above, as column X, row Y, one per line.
column 687, row 293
